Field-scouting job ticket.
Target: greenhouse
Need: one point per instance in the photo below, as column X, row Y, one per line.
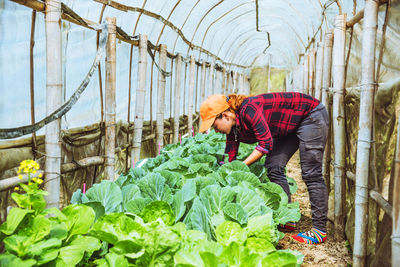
column 199, row 133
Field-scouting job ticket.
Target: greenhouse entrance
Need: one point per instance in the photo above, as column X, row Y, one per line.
column 199, row 133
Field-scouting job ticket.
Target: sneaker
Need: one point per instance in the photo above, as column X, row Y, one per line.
column 314, row 236
column 288, row 227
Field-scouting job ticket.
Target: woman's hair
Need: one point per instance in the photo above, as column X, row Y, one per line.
column 235, row 101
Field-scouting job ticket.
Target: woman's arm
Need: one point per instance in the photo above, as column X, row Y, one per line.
column 253, row 157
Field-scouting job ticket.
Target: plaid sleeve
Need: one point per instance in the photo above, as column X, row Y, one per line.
column 255, row 119
column 232, row 147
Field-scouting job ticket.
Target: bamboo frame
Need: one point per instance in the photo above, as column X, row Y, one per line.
column 192, row 77
column 364, row 135
column 318, row 70
column 379, row 199
column 177, row 97
column 53, row 101
column 396, row 203
column 338, row 121
column 305, row 74
column 110, row 101
column 223, row 81
column 140, row 98
column 311, row 72
column 210, row 89
column 325, row 99
column 203, row 82
column 161, row 97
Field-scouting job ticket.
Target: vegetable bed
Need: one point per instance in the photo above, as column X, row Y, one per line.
column 178, row 209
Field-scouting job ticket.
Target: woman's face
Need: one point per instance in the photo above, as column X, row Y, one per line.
column 224, row 123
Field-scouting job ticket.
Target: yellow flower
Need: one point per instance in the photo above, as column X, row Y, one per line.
column 30, row 183
column 19, row 176
column 40, row 175
column 34, row 179
column 33, row 171
column 16, row 188
column 39, row 181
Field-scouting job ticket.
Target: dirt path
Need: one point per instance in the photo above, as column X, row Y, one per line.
column 331, row 253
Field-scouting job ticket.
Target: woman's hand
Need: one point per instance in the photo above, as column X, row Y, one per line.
column 253, row 157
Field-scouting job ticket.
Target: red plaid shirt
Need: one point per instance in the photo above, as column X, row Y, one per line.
column 262, row 117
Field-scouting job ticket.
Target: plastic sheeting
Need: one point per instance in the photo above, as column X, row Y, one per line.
column 227, row 29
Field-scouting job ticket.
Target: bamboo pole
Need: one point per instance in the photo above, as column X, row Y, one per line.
column 236, row 82
column 140, row 98
column 325, row 99
column 192, row 77
column 379, row 199
column 109, row 144
column 311, row 72
column 53, row 101
column 396, row 204
column 223, row 81
column 210, row 89
column 203, row 82
column 305, row 74
column 318, row 71
column 177, row 97
column 32, row 82
column 338, row 121
column 161, row 97
column 327, row 67
column 364, row 134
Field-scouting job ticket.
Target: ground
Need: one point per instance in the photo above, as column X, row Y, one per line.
column 331, row 253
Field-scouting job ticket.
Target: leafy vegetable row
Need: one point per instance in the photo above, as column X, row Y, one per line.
column 180, row 208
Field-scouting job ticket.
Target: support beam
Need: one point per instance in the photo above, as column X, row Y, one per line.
column 203, row 82
column 396, row 204
column 305, row 74
column 318, row 70
column 192, row 78
column 338, row 122
column 223, row 81
column 326, row 101
column 210, row 89
column 177, row 95
column 311, row 72
column 161, row 98
column 140, row 99
column 110, row 101
column 370, row 24
column 53, row 101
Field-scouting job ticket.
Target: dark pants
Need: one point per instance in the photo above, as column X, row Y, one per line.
column 310, row 139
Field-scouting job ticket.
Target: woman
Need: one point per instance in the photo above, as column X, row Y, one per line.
column 280, row 123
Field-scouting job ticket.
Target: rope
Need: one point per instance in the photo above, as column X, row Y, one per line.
column 8, row 133
column 165, row 73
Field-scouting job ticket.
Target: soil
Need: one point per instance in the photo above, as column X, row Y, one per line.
column 332, row 252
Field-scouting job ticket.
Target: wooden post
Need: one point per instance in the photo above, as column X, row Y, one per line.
column 338, row 120
column 318, row 72
column 305, row 74
column 235, row 82
column 178, row 80
column 396, row 205
column 327, row 67
column 203, row 82
column 161, row 98
column 241, row 84
column 140, row 99
column 326, row 101
column 370, row 24
column 223, row 82
column 210, row 89
column 109, row 144
column 228, row 83
column 311, row 72
column 53, row 101
column 192, row 77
